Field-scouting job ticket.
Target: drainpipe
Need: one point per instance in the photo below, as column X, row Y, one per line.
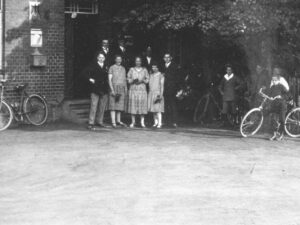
column 2, row 37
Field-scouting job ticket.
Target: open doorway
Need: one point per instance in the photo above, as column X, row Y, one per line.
column 81, row 45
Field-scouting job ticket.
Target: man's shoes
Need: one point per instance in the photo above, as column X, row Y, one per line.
column 91, row 127
column 101, row 125
column 121, row 124
column 274, row 137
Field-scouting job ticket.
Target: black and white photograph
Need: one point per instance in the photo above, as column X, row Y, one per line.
column 149, row 112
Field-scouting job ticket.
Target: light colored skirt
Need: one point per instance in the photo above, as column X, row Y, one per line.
column 138, row 100
column 122, row 103
column 155, row 107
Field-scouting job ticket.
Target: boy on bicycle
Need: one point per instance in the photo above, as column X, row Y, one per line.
column 278, row 91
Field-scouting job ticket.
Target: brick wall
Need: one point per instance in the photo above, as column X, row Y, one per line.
column 48, row 80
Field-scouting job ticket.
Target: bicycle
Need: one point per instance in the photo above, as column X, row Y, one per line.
column 209, row 108
column 253, row 120
column 33, row 107
column 207, row 103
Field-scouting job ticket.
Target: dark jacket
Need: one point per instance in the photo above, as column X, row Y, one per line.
column 126, row 57
column 147, row 65
column 172, row 82
column 100, row 75
column 229, row 88
column 109, row 56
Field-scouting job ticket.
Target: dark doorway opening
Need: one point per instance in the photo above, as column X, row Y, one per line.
column 81, row 45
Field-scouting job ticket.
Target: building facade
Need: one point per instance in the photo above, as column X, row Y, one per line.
column 48, row 43
column 33, row 46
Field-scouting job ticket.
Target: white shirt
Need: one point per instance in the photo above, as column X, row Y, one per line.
column 106, row 50
column 168, row 64
column 101, row 64
column 228, row 77
column 281, row 81
column 148, row 60
column 122, row 48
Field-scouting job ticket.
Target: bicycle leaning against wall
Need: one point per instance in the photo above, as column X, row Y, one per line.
column 31, row 107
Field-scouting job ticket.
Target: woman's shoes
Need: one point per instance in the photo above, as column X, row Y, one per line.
column 143, row 125
column 155, row 125
column 114, row 125
column 159, row 126
column 132, row 125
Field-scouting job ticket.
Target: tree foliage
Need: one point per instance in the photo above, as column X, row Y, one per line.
column 240, row 19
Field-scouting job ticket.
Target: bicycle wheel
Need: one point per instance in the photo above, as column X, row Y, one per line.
column 251, row 122
column 36, row 110
column 201, row 109
column 6, row 115
column 292, row 123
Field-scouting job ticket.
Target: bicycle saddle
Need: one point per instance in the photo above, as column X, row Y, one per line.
column 20, row 87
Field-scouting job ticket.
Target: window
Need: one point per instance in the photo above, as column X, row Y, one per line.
column 82, row 6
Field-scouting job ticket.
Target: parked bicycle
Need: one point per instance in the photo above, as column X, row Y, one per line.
column 32, row 107
column 253, row 120
column 209, row 108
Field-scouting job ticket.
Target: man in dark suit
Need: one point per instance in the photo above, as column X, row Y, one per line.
column 105, row 49
column 170, row 70
column 97, row 75
column 122, row 51
column 148, row 59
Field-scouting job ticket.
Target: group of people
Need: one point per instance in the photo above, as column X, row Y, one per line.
column 146, row 87
column 276, row 87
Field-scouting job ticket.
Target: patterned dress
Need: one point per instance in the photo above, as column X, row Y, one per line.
column 138, row 99
column 120, row 87
column 155, row 89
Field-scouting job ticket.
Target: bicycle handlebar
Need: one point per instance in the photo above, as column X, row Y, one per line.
column 267, row 96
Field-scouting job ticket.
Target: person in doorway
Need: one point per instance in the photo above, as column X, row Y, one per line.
column 171, row 87
column 105, row 49
column 98, row 78
column 122, row 50
column 148, row 59
column 137, row 78
column 278, row 91
column 156, row 93
column 228, row 88
column 118, row 91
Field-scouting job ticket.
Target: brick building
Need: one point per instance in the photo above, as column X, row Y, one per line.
column 24, row 36
column 48, row 43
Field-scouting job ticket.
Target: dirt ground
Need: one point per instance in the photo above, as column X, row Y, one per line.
column 66, row 175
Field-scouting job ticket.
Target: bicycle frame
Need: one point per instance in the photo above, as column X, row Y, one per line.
column 16, row 109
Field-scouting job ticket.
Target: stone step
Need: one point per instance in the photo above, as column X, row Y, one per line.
column 76, row 111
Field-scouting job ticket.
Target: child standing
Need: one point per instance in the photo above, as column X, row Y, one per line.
column 156, row 99
column 228, row 88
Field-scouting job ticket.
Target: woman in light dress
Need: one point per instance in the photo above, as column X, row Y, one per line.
column 155, row 97
column 137, row 78
column 118, row 91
